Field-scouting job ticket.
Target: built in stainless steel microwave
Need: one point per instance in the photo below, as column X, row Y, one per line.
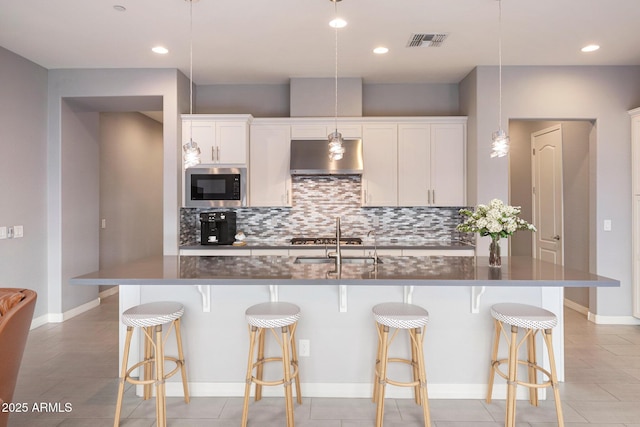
column 215, row 187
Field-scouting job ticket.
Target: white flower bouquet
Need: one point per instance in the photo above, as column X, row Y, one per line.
column 495, row 219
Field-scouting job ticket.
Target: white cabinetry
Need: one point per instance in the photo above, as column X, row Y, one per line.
column 431, row 164
column 380, row 157
column 222, row 139
column 321, row 130
column 269, row 178
column 635, row 200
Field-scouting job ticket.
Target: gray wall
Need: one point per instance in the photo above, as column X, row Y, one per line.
column 63, row 208
column 601, row 93
column 130, row 187
column 80, row 163
column 575, row 163
column 23, row 178
column 410, row 100
column 257, row 100
column 377, row 100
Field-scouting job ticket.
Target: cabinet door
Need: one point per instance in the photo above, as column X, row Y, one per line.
column 348, row 131
column 315, row 131
column 231, row 142
column 203, row 132
column 448, row 165
column 380, row 155
column 269, row 179
column 414, row 156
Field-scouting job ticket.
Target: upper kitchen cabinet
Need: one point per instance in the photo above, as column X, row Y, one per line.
column 269, row 178
column 223, row 139
column 431, row 164
column 380, row 157
column 304, row 129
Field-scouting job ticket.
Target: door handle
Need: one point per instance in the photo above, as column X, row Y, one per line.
column 556, row 237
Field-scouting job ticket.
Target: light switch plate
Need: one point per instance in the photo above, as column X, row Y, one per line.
column 607, row 225
column 18, row 231
column 3, row 232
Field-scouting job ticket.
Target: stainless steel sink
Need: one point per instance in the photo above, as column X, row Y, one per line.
column 345, row 260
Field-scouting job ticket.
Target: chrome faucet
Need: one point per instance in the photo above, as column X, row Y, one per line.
column 337, row 254
column 375, row 245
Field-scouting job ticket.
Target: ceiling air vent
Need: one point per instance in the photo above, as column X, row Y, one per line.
column 426, row 40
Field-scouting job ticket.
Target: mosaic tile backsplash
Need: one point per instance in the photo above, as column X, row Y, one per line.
column 317, row 201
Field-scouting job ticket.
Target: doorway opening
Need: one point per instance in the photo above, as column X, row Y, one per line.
column 577, row 195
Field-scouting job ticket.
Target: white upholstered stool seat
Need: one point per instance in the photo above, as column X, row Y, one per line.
column 524, row 316
column 152, row 314
column 150, row 318
column 400, row 315
column 413, row 319
column 272, row 316
column 532, row 320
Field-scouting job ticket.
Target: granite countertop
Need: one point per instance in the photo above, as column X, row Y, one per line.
column 366, row 244
column 393, row 271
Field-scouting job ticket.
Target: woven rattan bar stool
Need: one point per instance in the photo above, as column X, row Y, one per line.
column 273, row 316
column 414, row 319
column 532, row 320
column 150, row 318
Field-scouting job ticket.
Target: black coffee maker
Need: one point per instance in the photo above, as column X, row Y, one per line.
column 217, row 228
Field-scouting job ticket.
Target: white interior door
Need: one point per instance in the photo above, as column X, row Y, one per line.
column 547, row 194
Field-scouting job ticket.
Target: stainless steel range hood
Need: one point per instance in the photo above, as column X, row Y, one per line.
column 311, row 157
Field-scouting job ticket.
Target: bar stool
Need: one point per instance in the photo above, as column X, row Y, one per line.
column 273, row 315
column 414, row 319
column 531, row 319
column 150, row 317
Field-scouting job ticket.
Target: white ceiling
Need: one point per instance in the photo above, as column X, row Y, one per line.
column 260, row 41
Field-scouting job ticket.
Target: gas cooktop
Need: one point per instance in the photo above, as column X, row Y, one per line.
column 325, row 241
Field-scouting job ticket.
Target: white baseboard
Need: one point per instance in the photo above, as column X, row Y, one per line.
column 61, row 317
column 348, row 390
column 108, row 292
column 599, row 319
column 613, row 320
column 576, row 307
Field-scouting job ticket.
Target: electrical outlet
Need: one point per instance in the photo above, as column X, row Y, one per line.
column 304, row 348
column 3, row 232
column 376, row 221
column 9, row 232
column 607, row 225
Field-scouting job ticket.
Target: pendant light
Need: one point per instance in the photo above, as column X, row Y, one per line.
column 500, row 139
column 191, row 149
column 336, row 149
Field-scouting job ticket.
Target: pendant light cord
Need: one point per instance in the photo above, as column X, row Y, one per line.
column 335, row 3
column 499, row 64
column 191, row 68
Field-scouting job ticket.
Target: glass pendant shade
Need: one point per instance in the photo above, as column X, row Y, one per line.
column 500, row 144
column 191, row 154
column 336, row 150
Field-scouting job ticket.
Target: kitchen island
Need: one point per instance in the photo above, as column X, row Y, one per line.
column 341, row 334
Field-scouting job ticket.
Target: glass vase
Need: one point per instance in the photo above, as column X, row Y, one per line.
column 494, row 253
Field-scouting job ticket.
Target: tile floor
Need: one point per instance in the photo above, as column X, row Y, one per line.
column 74, row 362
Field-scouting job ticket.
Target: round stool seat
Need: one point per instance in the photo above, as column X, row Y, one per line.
column 152, row 314
column 272, row 314
column 400, row 315
column 524, row 316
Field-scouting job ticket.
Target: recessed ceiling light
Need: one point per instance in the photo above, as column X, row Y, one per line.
column 590, row 48
column 161, row 50
column 338, row 23
column 380, row 50
column 119, row 8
